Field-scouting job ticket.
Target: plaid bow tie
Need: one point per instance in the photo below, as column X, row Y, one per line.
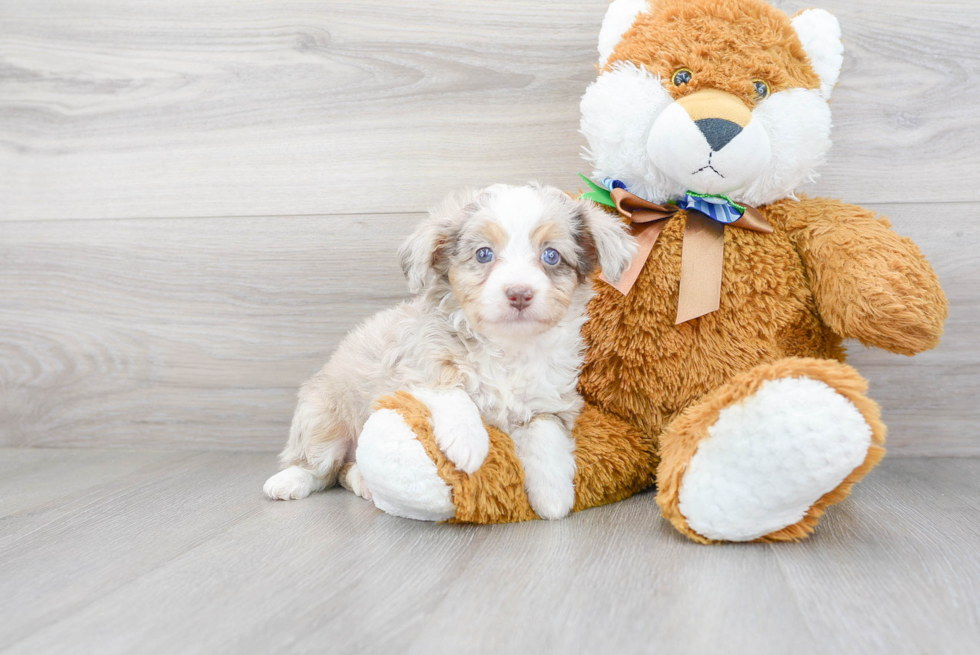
column 702, row 255
column 718, row 207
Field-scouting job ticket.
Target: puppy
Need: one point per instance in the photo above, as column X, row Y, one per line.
column 503, row 277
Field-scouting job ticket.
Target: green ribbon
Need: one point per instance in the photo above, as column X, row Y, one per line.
column 601, row 195
column 598, row 193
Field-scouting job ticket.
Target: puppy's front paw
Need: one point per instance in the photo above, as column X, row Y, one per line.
column 553, row 500
column 547, row 452
column 465, row 443
column 457, row 427
column 291, row 484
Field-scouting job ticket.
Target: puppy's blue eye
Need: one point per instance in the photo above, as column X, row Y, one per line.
column 484, row 255
column 550, row 257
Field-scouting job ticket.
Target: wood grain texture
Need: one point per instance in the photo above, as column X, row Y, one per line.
column 197, row 332
column 185, row 332
column 187, row 556
column 110, row 109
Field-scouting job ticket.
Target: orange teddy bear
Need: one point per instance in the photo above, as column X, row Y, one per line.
column 715, row 370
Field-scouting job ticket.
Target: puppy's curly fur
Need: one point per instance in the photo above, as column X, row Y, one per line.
column 503, row 278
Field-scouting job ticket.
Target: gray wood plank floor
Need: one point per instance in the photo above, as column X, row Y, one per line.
column 117, row 551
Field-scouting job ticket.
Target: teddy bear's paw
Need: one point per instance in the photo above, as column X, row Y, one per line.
column 402, row 478
column 292, row 484
column 457, row 427
column 770, row 458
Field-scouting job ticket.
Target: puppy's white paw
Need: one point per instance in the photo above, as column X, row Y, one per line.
column 547, row 452
column 465, row 443
column 292, row 484
column 457, row 426
column 553, row 500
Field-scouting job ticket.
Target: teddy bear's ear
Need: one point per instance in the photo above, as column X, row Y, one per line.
column 619, row 18
column 820, row 35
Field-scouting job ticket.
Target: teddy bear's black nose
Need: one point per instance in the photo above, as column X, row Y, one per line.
column 718, row 131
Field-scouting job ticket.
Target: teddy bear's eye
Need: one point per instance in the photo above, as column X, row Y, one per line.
column 682, row 77
column 761, row 89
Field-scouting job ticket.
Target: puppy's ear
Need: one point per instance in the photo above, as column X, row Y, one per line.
column 605, row 241
column 425, row 254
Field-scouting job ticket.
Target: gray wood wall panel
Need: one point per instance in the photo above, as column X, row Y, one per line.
column 191, row 332
column 116, row 109
column 198, row 199
column 196, row 332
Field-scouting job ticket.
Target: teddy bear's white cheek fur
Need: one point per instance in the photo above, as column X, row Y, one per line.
column 618, row 110
column 678, row 148
column 798, row 123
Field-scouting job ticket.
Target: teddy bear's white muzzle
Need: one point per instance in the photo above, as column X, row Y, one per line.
column 710, row 154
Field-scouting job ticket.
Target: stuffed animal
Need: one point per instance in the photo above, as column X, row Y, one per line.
column 715, row 369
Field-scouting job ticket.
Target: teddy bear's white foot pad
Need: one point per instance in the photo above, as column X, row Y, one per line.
column 768, row 459
column 402, row 478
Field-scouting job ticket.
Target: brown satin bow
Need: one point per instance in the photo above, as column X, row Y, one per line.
column 702, row 255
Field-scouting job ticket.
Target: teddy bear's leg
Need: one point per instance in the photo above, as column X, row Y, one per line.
column 403, row 480
column 409, row 476
column 764, row 455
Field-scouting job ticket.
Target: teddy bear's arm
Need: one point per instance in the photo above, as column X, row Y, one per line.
column 614, row 460
column 869, row 283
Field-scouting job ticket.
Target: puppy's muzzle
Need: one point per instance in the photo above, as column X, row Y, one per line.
column 720, row 116
column 519, row 297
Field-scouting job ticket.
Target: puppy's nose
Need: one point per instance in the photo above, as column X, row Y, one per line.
column 519, row 297
column 718, row 131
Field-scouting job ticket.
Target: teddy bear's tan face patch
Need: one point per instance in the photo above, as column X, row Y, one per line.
column 747, row 49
